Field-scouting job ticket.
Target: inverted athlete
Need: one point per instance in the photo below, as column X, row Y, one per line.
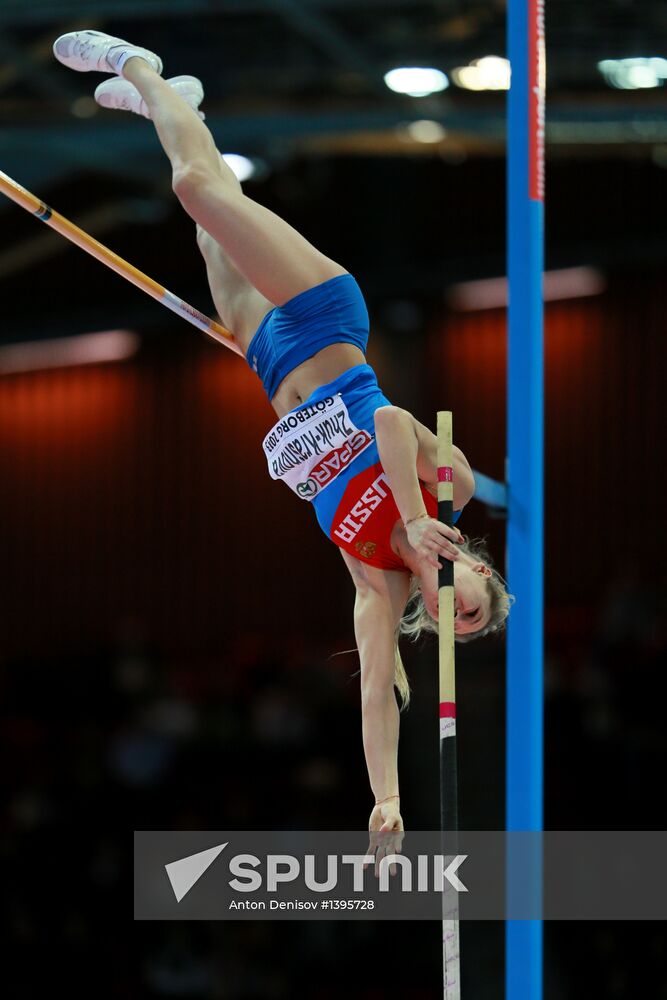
column 368, row 468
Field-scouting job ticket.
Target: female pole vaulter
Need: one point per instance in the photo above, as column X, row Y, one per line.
column 367, row 467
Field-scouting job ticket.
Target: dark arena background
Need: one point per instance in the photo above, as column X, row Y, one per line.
column 176, row 633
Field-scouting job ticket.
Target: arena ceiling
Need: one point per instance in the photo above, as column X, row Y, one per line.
column 302, row 81
column 284, row 75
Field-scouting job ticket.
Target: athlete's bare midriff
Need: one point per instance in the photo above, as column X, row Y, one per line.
column 323, row 367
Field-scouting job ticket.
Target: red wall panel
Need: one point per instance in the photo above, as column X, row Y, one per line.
column 604, row 428
column 137, row 493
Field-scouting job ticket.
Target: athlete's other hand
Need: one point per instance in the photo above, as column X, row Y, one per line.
column 386, row 833
column 431, row 539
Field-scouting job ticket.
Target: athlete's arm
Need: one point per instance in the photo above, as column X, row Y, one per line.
column 416, row 448
column 380, row 600
column 398, row 445
column 374, row 631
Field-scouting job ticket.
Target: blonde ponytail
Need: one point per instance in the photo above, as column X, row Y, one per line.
column 401, row 682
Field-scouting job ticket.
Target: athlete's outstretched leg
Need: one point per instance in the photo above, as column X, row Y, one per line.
column 265, row 249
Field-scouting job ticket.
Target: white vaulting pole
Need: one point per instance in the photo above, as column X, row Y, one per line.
column 447, row 687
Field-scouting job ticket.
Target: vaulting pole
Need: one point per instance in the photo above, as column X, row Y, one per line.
column 525, row 476
column 449, row 822
column 96, row 249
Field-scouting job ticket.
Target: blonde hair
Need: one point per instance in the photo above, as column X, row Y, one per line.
column 401, row 682
column 416, row 620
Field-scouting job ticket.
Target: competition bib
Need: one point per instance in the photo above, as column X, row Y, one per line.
column 309, row 447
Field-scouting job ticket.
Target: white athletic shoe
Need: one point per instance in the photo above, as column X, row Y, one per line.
column 93, row 50
column 124, row 96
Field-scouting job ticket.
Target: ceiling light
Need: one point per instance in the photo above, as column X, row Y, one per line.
column 426, row 131
column 84, row 107
column 416, row 81
column 487, row 73
column 494, row 72
column 467, row 77
column 636, row 73
column 242, row 166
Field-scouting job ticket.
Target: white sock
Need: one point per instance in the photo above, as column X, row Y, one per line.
column 118, row 61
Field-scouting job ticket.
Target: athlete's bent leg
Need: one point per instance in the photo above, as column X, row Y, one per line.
column 266, row 250
column 240, row 306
